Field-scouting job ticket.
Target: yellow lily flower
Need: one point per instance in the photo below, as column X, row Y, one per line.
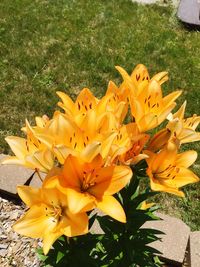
column 184, row 129
column 150, row 109
column 134, row 155
column 49, row 215
column 139, row 79
column 29, row 152
column 179, row 130
column 86, row 102
column 41, row 121
column 118, row 100
column 159, row 140
column 78, row 109
column 128, row 145
column 101, row 116
column 63, row 137
column 168, row 171
column 93, row 184
column 140, row 74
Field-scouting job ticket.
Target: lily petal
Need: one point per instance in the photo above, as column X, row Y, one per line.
column 110, row 180
column 156, row 186
column 169, row 99
column 18, row 145
column 34, row 223
column 49, row 239
column 186, row 159
column 29, row 195
column 184, row 177
column 180, row 113
column 78, row 202
column 110, row 206
column 78, row 224
column 91, row 151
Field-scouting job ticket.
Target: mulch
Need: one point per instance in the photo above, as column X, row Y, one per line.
column 15, row 250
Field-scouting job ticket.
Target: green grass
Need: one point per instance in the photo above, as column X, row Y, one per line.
column 68, row 45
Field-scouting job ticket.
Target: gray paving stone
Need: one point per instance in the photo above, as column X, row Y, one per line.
column 175, row 240
column 159, row 2
column 189, row 11
column 13, row 175
column 96, row 229
column 195, row 249
column 146, row 1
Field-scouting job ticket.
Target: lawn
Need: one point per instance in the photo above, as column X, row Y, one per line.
column 68, row 45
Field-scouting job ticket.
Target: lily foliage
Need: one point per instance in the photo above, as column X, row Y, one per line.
column 93, row 153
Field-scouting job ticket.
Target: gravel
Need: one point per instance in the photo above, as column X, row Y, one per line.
column 15, row 250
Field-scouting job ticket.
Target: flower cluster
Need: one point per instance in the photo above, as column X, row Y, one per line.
column 88, row 152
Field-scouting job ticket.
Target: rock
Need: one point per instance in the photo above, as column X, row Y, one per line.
column 195, row 249
column 14, row 215
column 3, row 246
column 3, row 252
column 188, row 11
column 174, row 242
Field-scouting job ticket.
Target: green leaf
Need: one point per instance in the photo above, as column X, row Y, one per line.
column 157, row 261
column 59, row 257
column 109, row 225
column 40, row 254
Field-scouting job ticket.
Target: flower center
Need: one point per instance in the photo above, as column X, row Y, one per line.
column 87, row 181
column 169, row 172
column 55, row 212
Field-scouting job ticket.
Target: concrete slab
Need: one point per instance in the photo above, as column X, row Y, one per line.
column 96, row 228
column 174, row 242
column 145, row 1
column 13, row 175
column 159, row 2
column 195, row 249
column 189, row 11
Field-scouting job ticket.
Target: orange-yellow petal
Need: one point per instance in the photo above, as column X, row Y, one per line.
column 77, row 201
column 156, row 186
column 110, row 206
column 49, row 239
column 110, row 180
column 91, row 151
column 18, row 145
column 184, row 177
column 78, row 224
column 169, row 99
column 186, row 159
column 35, row 222
column 161, row 77
column 29, row 195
